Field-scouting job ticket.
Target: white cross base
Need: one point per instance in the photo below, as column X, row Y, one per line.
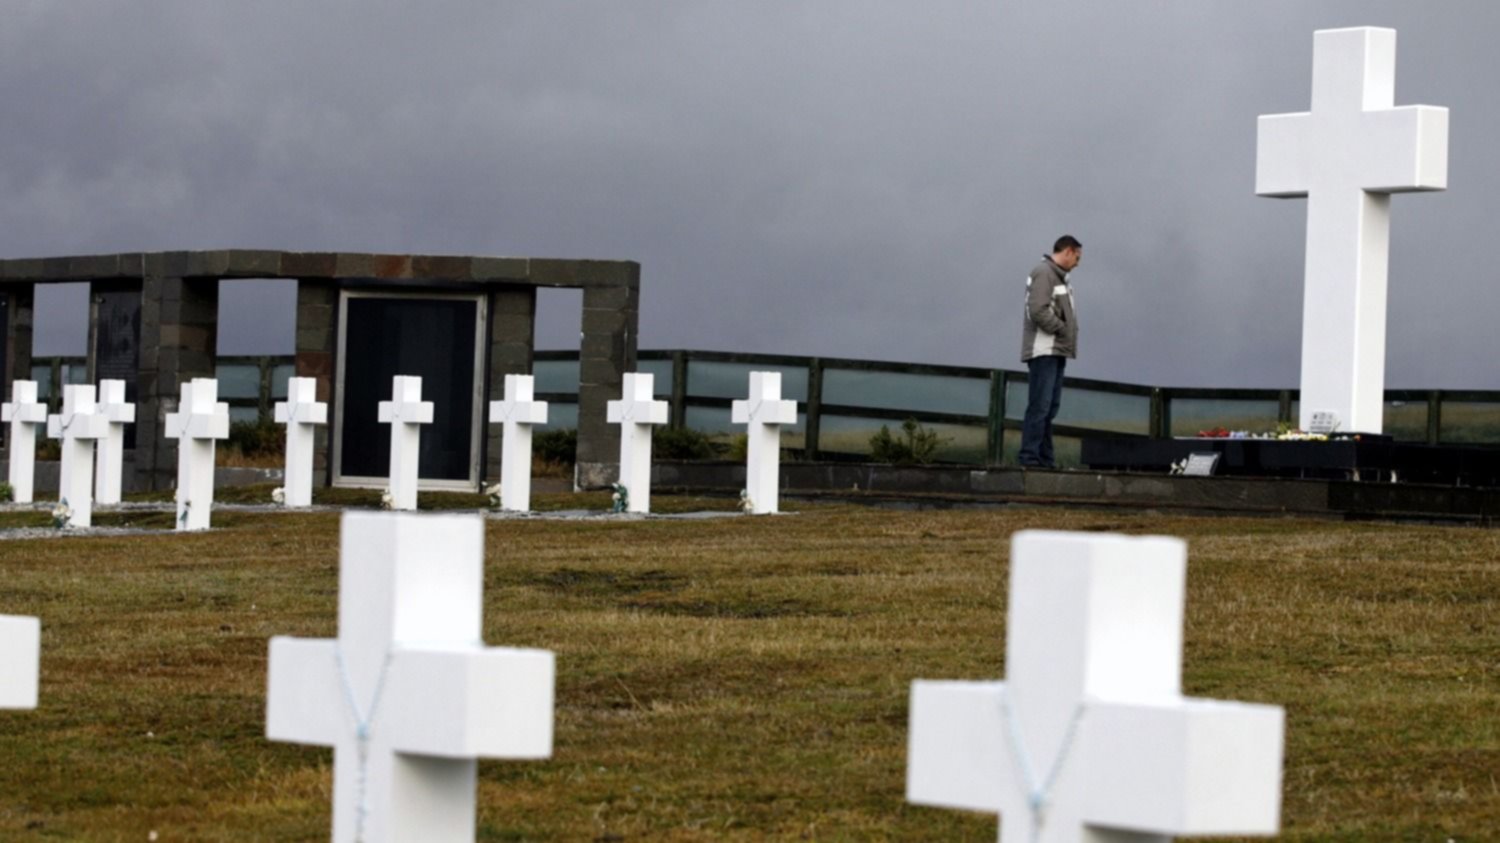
column 411, row 668
column 516, row 413
column 200, row 419
column 405, row 412
column 635, row 413
column 78, row 426
column 20, row 660
column 1347, row 156
column 111, row 451
column 1091, row 723
column 300, row 412
column 765, row 413
column 24, row 414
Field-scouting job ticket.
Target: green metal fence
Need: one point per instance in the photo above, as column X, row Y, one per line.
column 249, row 385
column 843, row 402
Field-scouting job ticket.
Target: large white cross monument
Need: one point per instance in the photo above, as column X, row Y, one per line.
column 1089, row 739
column 1347, row 156
column 408, row 696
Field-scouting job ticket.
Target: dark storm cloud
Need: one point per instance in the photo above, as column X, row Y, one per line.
column 851, row 178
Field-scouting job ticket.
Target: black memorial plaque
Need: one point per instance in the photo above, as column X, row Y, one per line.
column 117, row 344
column 429, row 338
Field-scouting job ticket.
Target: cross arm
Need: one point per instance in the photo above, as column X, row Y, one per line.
column 308, row 412
column 492, row 702
column 304, row 700
column 25, row 412
column 413, row 412
column 118, row 413
column 957, row 755
column 20, row 653
column 1183, row 766
column 213, row 425
column 765, row 412
column 1409, row 147
column 521, row 412
column 80, row 426
column 1283, row 157
column 641, row 412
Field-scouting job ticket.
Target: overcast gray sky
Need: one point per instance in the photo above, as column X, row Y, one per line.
column 856, row 178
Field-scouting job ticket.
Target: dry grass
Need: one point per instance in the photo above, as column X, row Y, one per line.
column 742, row 679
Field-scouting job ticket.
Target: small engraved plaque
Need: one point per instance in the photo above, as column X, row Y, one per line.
column 1323, row 421
column 1201, row 464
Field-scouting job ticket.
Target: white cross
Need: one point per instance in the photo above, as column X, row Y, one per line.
column 1089, row 738
column 20, row 658
column 1347, row 156
column 517, row 412
column 79, row 426
column 408, row 695
column 765, row 413
column 300, row 412
column 635, row 413
column 118, row 412
column 25, row 414
column 199, row 420
column 404, row 413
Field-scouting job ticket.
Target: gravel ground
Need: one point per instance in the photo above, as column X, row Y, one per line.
column 73, row 532
column 167, row 506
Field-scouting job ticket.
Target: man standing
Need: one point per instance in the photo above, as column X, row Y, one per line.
column 1049, row 340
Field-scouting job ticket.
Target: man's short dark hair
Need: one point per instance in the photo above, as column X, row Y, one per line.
column 1066, row 242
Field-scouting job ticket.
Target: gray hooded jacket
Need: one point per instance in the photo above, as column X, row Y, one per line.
column 1051, row 326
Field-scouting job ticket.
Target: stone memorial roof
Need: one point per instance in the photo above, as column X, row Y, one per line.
column 263, row 263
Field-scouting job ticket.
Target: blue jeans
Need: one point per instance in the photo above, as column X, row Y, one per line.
column 1043, row 400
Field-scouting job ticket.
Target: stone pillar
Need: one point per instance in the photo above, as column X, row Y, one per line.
column 317, row 352
column 512, row 342
column 20, row 309
column 611, row 321
column 179, row 340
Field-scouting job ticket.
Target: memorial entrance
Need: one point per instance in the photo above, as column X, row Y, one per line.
column 436, row 338
column 459, row 322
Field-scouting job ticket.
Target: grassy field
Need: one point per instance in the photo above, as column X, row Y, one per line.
column 740, row 679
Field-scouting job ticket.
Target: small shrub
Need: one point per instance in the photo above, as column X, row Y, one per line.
column 683, row 444
column 6, row 492
column 547, row 468
column 253, row 444
column 49, row 450
column 559, row 447
column 257, row 438
column 739, row 447
column 915, row 444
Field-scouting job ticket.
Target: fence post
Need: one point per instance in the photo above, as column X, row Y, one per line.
column 996, row 450
column 263, row 405
column 678, row 420
column 54, row 395
column 1157, row 425
column 813, row 428
column 1434, row 416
